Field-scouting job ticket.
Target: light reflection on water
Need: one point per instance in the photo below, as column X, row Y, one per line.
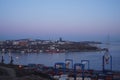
column 95, row 58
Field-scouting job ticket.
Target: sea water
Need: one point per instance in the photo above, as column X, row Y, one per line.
column 48, row 59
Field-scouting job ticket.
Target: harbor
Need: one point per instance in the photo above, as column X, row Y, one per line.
column 61, row 66
column 60, row 71
column 59, row 40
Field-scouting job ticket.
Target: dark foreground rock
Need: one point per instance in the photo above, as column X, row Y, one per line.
column 13, row 72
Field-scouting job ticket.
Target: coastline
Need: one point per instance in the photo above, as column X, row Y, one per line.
column 47, row 46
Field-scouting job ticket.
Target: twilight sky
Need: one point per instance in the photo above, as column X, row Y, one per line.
column 50, row 19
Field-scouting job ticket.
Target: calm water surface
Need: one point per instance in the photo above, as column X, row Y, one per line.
column 47, row 59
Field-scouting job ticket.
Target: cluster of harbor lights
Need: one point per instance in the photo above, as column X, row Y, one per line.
column 78, row 71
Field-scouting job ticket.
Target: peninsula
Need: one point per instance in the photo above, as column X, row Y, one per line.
column 46, row 46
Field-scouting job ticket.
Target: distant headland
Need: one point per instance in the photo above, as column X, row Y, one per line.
column 47, row 46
